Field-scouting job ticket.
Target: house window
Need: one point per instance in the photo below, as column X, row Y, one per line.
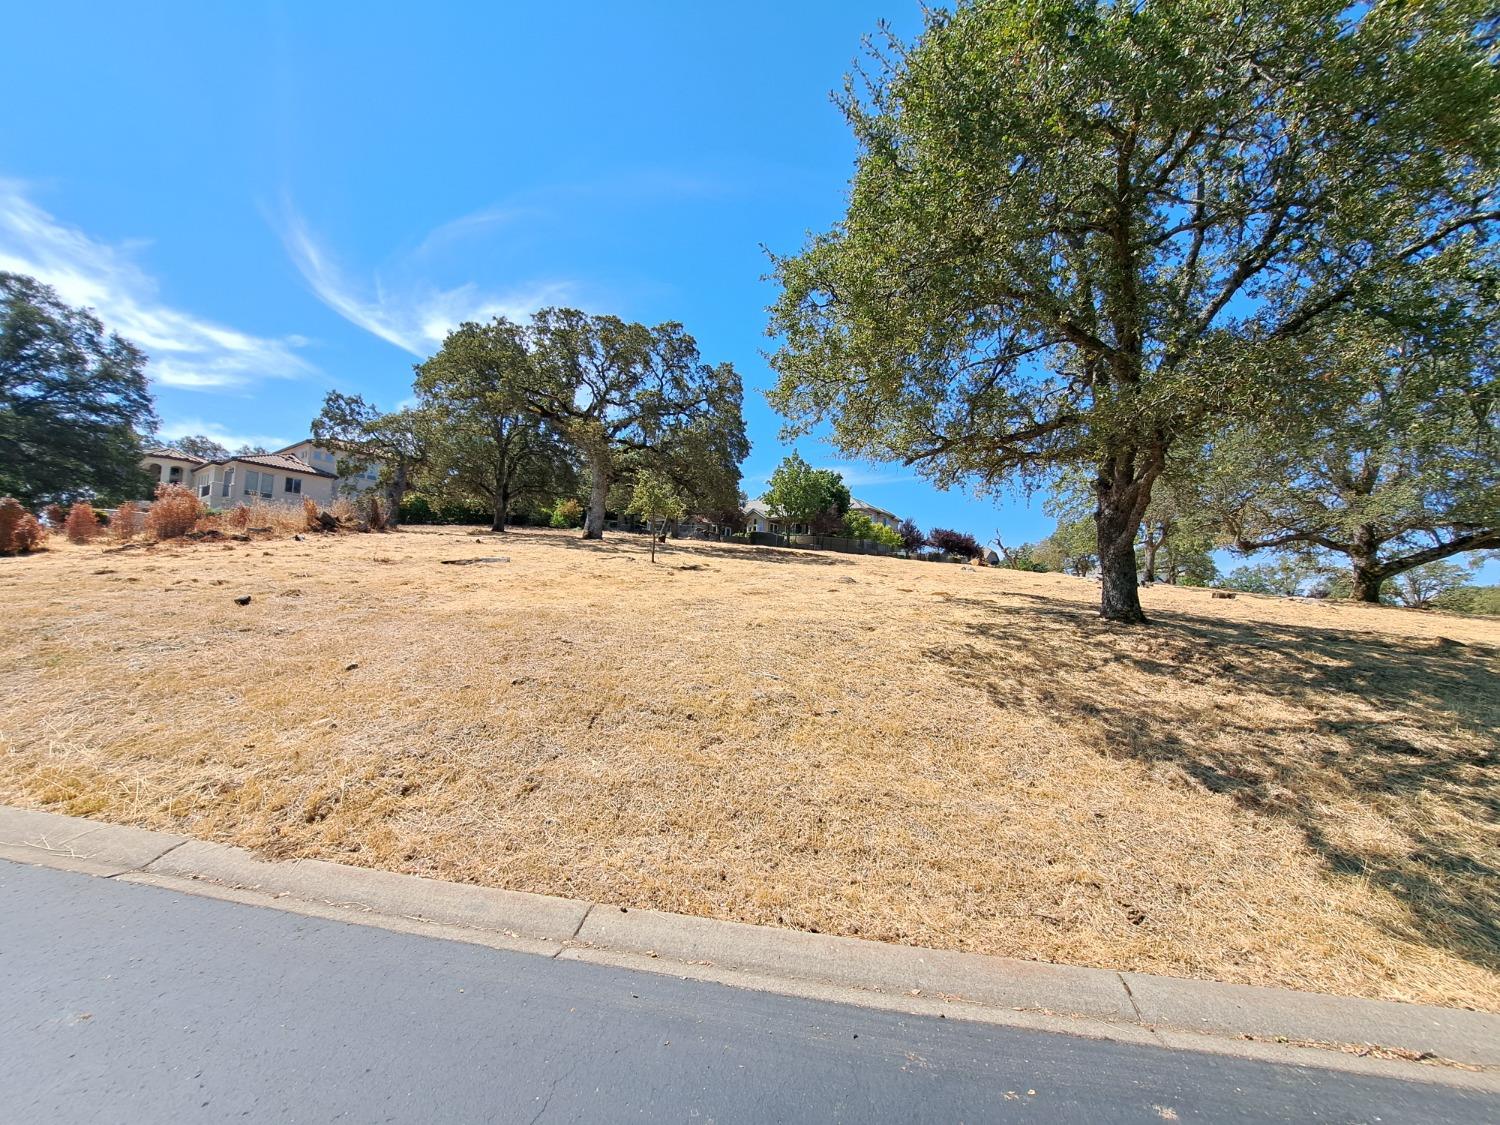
column 155, row 471
column 260, row 484
column 174, row 475
column 205, row 489
column 294, row 484
column 228, row 482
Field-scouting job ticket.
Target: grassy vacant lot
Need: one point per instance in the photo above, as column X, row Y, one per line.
column 1254, row 790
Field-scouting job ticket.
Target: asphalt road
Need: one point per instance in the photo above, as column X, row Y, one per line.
column 126, row 1003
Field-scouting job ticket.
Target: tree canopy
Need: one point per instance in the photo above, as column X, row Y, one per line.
column 1077, row 230
column 73, row 401
column 485, row 441
column 395, row 442
column 1397, row 463
column 654, row 499
column 611, row 387
column 799, row 493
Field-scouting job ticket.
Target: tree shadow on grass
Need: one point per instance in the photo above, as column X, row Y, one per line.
column 1406, row 728
column 622, row 542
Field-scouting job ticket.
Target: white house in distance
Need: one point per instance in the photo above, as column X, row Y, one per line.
column 760, row 517
column 288, row 476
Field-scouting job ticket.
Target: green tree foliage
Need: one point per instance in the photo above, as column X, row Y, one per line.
column 1076, row 230
column 1284, row 575
column 1023, row 557
column 201, row 447
column 1177, row 532
column 612, row 387
column 566, row 512
column 73, row 401
column 1484, row 600
column 1396, row 466
column 1423, row 587
column 485, row 442
column 857, row 525
column 396, row 442
column 655, row 499
column 798, row 493
column 1072, row 548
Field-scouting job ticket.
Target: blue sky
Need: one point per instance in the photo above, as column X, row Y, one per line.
column 276, row 199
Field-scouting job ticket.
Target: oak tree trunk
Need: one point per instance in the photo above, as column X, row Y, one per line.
column 1151, row 546
column 593, row 519
column 1369, row 575
column 393, row 497
column 1368, row 580
column 1117, row 519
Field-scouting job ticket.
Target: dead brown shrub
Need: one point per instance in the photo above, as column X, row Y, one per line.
column 377, row 514
column 128, row 521
column 19, row 530
column 238, row 516
column 54, row 515
column 82, row 524
column 174, row 513
column 279, row 519
column 310, row 514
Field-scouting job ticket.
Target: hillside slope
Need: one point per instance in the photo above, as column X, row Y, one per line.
column 1255, row 790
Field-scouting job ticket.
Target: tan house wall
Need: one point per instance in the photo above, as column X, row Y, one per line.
column 325, row 459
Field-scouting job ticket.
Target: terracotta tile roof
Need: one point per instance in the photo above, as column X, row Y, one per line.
column 287, row 462
column 174, row 455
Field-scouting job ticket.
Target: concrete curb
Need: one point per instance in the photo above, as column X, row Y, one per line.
column 1368, row 1036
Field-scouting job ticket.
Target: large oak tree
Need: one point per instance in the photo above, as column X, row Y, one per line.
column 616, row 389
column 73, row 401
column 1076, row 229
column 486, row 441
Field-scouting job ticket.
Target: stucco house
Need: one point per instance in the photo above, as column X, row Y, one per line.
column 288, row 476
column 224, row 482
column 349, row 481
column 760, row 517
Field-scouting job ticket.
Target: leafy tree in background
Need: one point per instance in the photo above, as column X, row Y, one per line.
column 1398, row 466
column 798, row 493
column 611, row 387
column 248, row 450
column 485, row 440
column 396, row 442
column 1077, row 231
column 1072, row 548
column 73, row 401
column 951, row 542
column 857, row 525
column 913, row 538
column 1483, row 600
column 1283, row 575
column 655, row 499
column 1423, row 587
column 200, row 447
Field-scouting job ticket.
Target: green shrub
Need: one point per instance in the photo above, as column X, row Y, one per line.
column 567, row 512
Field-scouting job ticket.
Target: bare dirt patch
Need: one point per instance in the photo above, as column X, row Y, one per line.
column 1253, row 790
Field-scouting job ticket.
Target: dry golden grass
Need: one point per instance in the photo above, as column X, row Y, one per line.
column 1255, row 790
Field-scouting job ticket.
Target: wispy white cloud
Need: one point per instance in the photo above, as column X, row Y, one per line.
column 184, row 427
column 185, row 350
column 414, row 315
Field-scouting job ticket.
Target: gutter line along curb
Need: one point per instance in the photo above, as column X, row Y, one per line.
column 1359, row 1034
